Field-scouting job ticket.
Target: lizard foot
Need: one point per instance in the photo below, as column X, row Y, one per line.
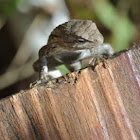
column 43, row 78
column 41, row 81
column 96, row 60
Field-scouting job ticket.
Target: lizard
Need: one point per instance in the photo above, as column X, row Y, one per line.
column 69, row 43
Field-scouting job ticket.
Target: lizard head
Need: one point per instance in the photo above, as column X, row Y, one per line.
column 77, row 32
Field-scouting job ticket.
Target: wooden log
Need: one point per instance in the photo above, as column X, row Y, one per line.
column 99, row 104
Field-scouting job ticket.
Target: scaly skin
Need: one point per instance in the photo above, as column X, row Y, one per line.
column 71, row 42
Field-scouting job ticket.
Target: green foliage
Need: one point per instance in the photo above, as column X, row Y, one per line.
column 80, row 11
column 122, row 33
column 119, row 24
column 7, row 7
column 63, row 69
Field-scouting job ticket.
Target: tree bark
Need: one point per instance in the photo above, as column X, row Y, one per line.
column 90, row 104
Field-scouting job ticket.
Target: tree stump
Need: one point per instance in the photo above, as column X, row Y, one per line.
column 99, row 104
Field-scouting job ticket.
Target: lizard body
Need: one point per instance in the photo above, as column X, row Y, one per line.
column 71, row 42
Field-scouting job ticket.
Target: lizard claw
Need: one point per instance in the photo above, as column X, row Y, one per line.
column 36, row 83
column 43, row 78
column 96, row 60
column 41, row 81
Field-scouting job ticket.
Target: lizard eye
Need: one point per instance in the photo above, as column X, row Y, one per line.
column 81, row 40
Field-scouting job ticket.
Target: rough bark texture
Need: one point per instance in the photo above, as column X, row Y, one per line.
column 99, row 104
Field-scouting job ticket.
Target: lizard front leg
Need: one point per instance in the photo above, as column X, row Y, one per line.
column 43, row 74
column 101, row 52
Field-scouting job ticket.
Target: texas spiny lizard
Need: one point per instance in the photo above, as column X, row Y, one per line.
column 69, row 43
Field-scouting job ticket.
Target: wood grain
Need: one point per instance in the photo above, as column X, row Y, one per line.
column 99, row 104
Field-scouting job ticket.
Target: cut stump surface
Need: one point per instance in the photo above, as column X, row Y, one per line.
column 99, row 104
